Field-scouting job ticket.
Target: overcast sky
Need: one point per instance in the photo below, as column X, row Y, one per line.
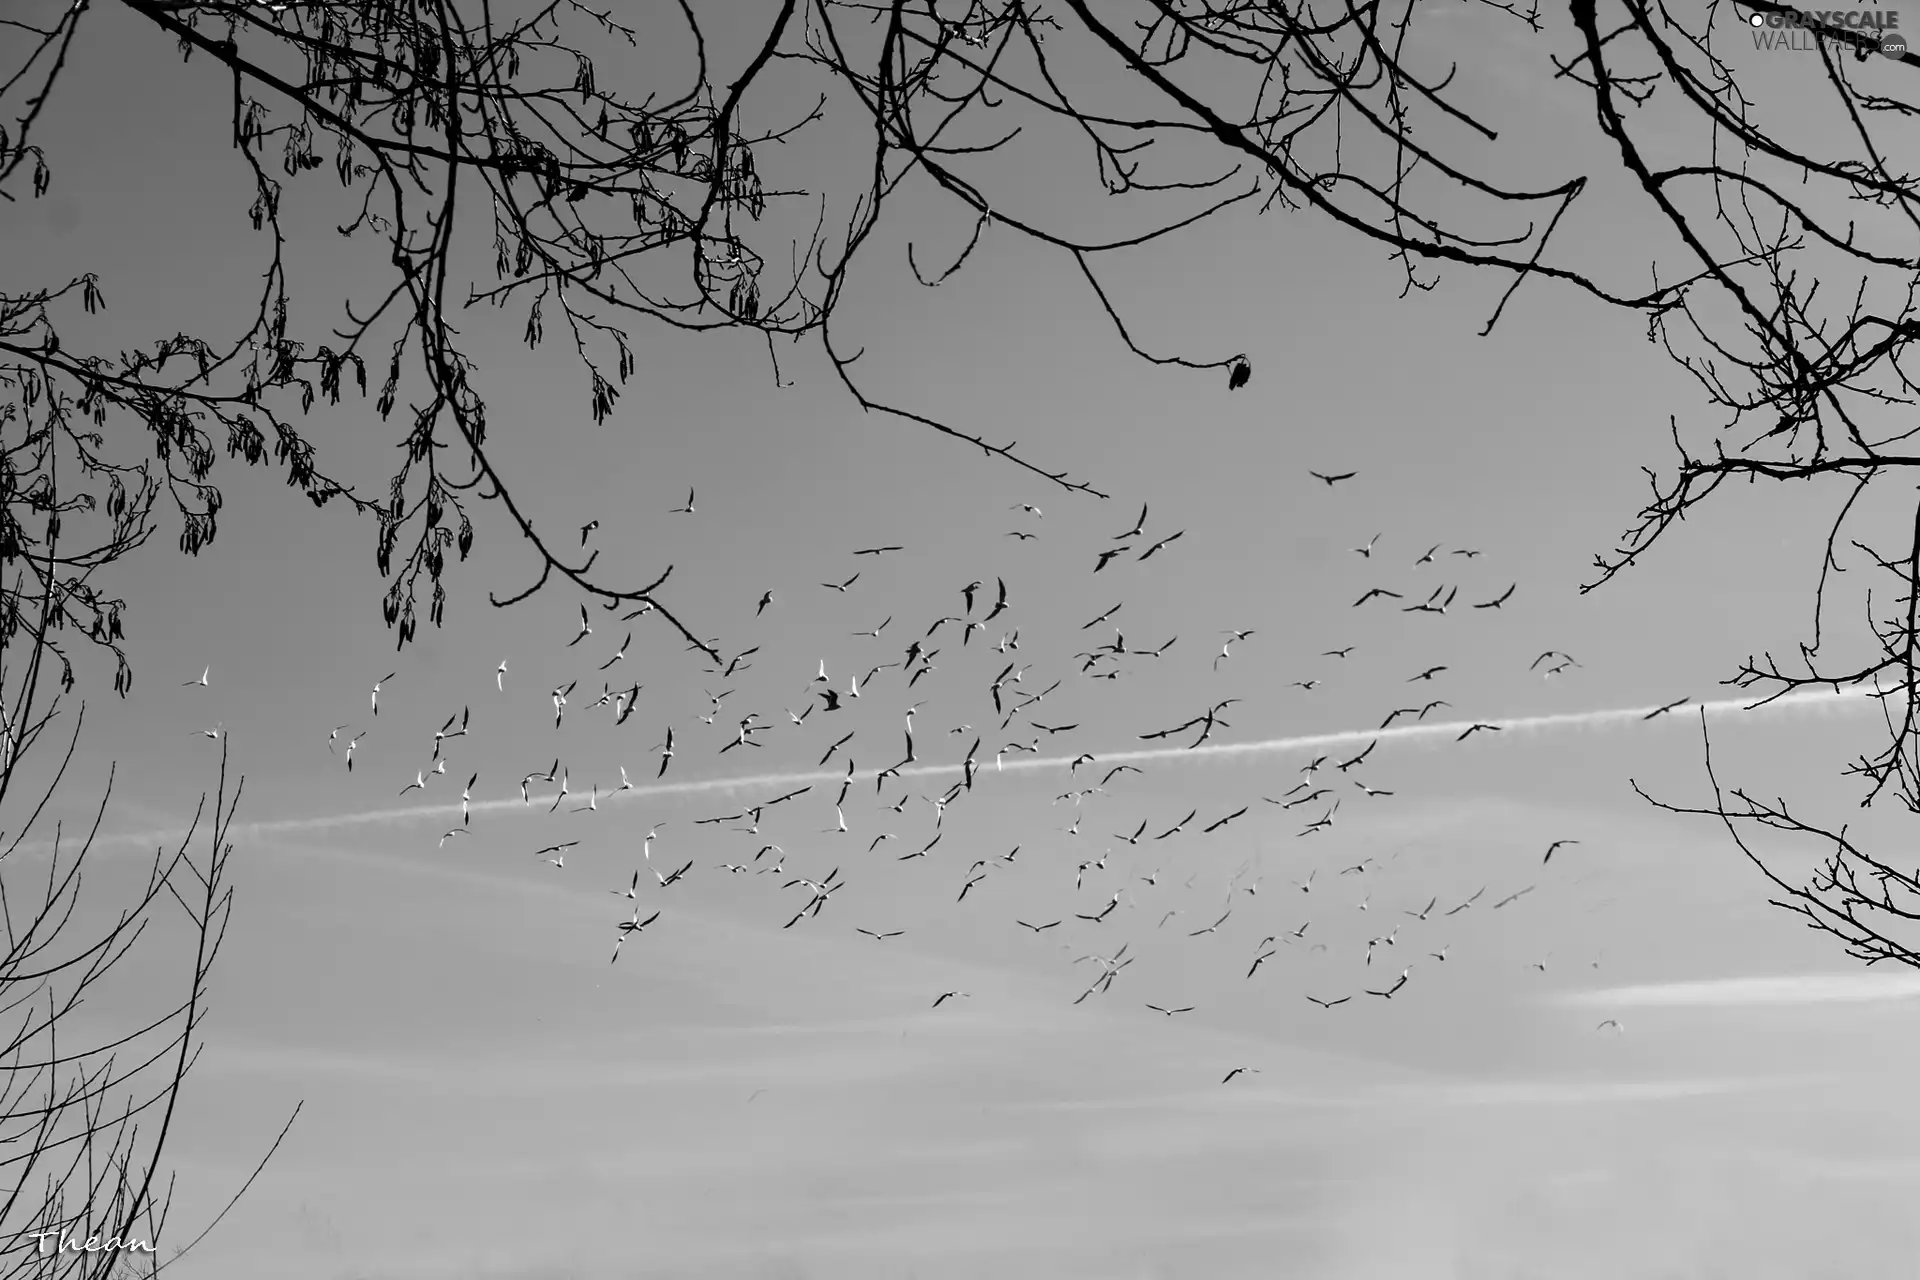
column 486, row 1095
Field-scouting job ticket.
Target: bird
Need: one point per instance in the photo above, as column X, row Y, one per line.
column 1398, row 983
column 1331, row 481
column 1027, row 507
column 1215, row 925
column 948, row 995
column 1427, row 558
column 586, row 628
column 1662, row 710
column 1551, row 653
column 374, row 700
column 1237, row 377
column 1378, row 591
column 1345, row 765
column 832, row 696
column 1476, row 727
column 1423, row 912
column 1610, row 1022
column 877, row 551
column 1328, row 1004
column 555, row 848
column 500, row 676
column 1258, row 960
column 1513, row 897
column 419, row 783
column 1228, row 1078
column 1107, row 556
column 1498, row 600
column 1367, row 551
column 1338, row 653
column 330, row 737
column 841, row 586
column 1555, row 845
column 1170, row 1012
column 587, row 529
column 466, row 798
column 621, row 653
column 351, row 744
column 881, row 937
column 1148, row 553
column 1037, row 928
column 686, row 510
column 1428, row 674
column 448, row 835
column 666, row 753
column 202, row 681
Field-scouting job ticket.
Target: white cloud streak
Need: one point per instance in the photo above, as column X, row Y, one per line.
column 1788, row 989
column 1430, row 734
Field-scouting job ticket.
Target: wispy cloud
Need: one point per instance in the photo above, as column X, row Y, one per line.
column 1805, row 988
column 1429, row 734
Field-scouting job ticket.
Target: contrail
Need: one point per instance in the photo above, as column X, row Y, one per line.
column 1436, row 732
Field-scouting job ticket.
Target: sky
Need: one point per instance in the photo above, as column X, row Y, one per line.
column 488, row 1089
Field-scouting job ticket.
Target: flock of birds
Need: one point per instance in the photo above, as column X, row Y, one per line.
column 991, row 684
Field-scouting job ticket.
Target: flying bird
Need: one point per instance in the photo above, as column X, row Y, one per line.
column 1663, row 710
column 877, row 551
column 586, row 628
column 1498, row 600
column 841, row 586
column 1148, row 553
column 373, row 701
column 1331, row 481
column 202, row 681
column 686, row 510
column 1237, row 377
column 1555, row 845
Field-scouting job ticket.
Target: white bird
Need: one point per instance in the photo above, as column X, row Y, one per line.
column 624, row 784
column 374, row 700
column 202, row 681
column 632, row 890
column 419, row 783
column 457, row 831
column 593, row 801
column 351, row 744
column 563, row 792
column 330, row 737
column 213, row 733
column 466, row 798
column 686, row 510
column 586, row 628
column 500, row 676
